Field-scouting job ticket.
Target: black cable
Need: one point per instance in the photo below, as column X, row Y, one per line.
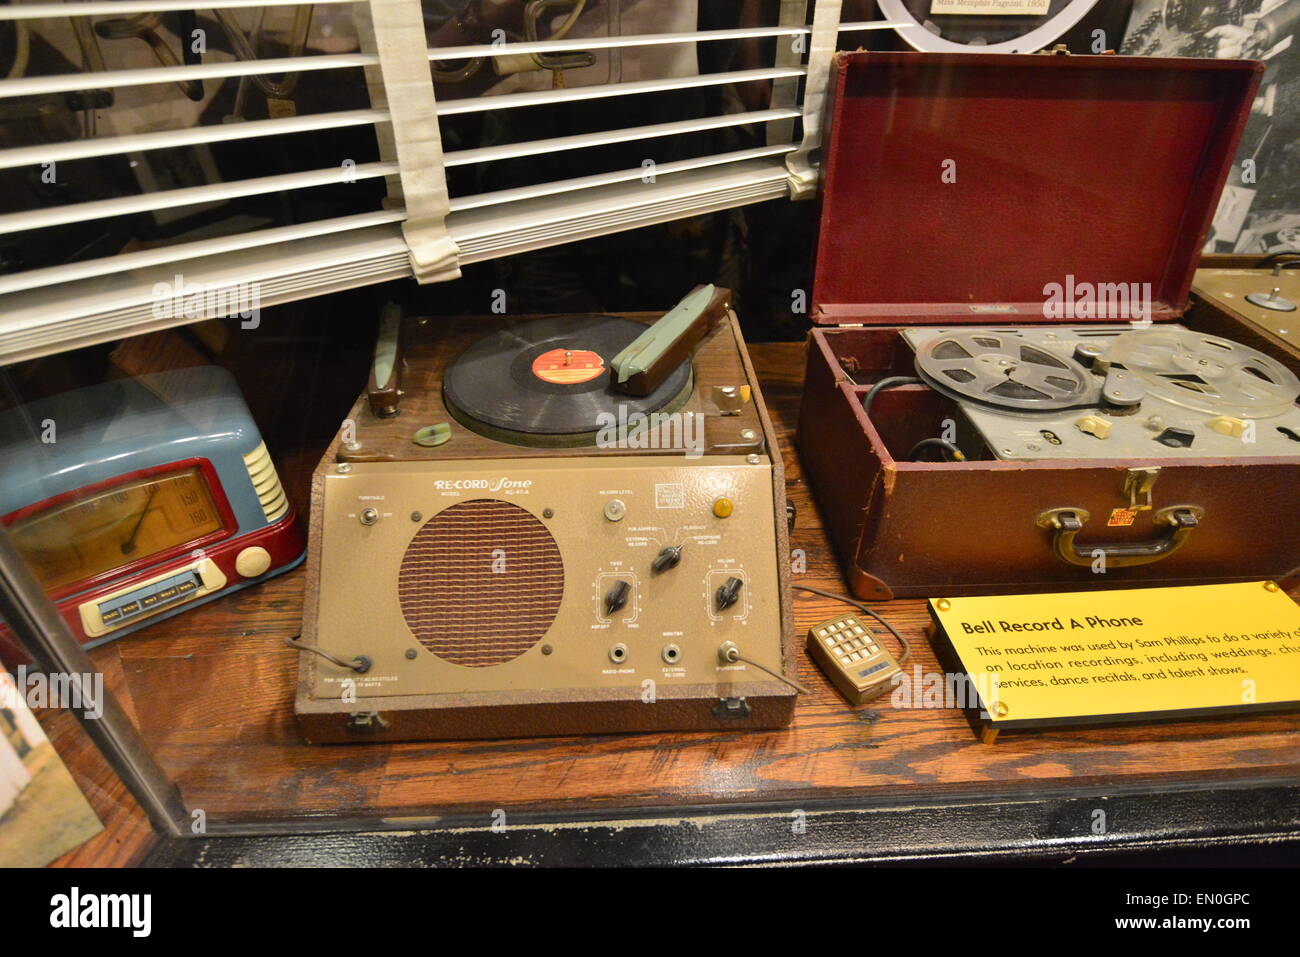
column 360, row 664
column 955, row 454
column 903, row 642
column 886, row 383
column 1272, row 256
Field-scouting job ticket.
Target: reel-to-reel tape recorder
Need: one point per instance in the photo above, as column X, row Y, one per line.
column 1112, row 392
column 975, row 460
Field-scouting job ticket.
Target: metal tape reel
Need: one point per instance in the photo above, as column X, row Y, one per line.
column 1206, row 373
column 1005, row 370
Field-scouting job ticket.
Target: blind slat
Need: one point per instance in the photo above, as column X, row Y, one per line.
column 72, row 82
column 492, row 231
column 189, row 196
column 485, row 154
column 166, row 139
column 633, row 40
column 519, row 193
column 508, row 101
column 117, row 8
column 144, row 258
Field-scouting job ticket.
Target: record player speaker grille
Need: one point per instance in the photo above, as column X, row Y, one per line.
column 481, row 583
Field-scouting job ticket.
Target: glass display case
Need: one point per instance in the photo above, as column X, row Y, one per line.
column 449, row 425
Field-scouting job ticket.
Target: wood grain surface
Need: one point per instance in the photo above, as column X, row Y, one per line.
column 212, row 692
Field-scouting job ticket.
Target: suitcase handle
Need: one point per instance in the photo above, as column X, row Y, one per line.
column 1068, row 522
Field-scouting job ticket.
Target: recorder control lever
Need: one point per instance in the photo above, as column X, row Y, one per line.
column 728, row 592
column 616, row 597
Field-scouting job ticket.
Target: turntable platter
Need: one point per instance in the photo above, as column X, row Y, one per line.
column 544, row 383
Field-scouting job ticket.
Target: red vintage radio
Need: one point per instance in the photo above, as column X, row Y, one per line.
column 1003, row 393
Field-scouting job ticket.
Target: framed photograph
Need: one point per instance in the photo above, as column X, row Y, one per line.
column 43, row 813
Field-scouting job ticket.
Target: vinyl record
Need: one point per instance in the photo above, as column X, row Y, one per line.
column 545, row 382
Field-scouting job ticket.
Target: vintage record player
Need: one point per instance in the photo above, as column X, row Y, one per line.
column 1003, row 392
column 553, row 525
column 1265, row 300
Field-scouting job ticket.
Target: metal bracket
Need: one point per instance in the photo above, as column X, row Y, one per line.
column 731, row 709
column 366, row 722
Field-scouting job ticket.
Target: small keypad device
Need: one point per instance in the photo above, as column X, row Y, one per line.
column 852, row 657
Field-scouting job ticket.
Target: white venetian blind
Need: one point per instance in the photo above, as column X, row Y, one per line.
column 399, row 214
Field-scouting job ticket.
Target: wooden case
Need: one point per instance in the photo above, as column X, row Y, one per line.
column 957, row 187
column 754, row 700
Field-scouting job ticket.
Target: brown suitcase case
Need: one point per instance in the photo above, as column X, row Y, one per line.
column 957, row 187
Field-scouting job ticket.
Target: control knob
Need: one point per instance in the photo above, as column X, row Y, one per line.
column 616, row 597
column 728, row 592
column 667, row 558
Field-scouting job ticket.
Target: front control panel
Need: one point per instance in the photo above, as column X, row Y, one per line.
column 548, row 574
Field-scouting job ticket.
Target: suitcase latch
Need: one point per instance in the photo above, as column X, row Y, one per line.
column 1137, row 485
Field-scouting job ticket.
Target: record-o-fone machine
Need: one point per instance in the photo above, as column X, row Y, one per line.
column 550, row 526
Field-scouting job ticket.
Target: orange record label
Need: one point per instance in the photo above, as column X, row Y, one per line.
column 568, row 366
column 1122, row 516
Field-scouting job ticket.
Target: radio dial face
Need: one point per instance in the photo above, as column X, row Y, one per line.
column 100, row 530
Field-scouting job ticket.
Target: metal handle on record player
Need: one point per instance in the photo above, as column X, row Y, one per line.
column 643, row 366
column 1068, row 522
column 384, row 390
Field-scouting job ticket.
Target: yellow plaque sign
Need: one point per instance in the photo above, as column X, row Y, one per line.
column 1126, row 655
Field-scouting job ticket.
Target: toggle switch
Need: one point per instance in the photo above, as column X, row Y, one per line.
column 667, row 558
column 616, row 597
column 728, row 592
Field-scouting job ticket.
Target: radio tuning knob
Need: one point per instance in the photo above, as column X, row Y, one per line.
column 253, row 562
column 616, row 597
column 728, row 592
column 667, row 558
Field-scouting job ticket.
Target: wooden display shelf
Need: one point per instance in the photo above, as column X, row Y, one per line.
column 211, row 692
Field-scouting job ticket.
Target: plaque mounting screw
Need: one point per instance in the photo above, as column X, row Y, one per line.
column 1001, row 710
column 1270, row 586
column 943, row 604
